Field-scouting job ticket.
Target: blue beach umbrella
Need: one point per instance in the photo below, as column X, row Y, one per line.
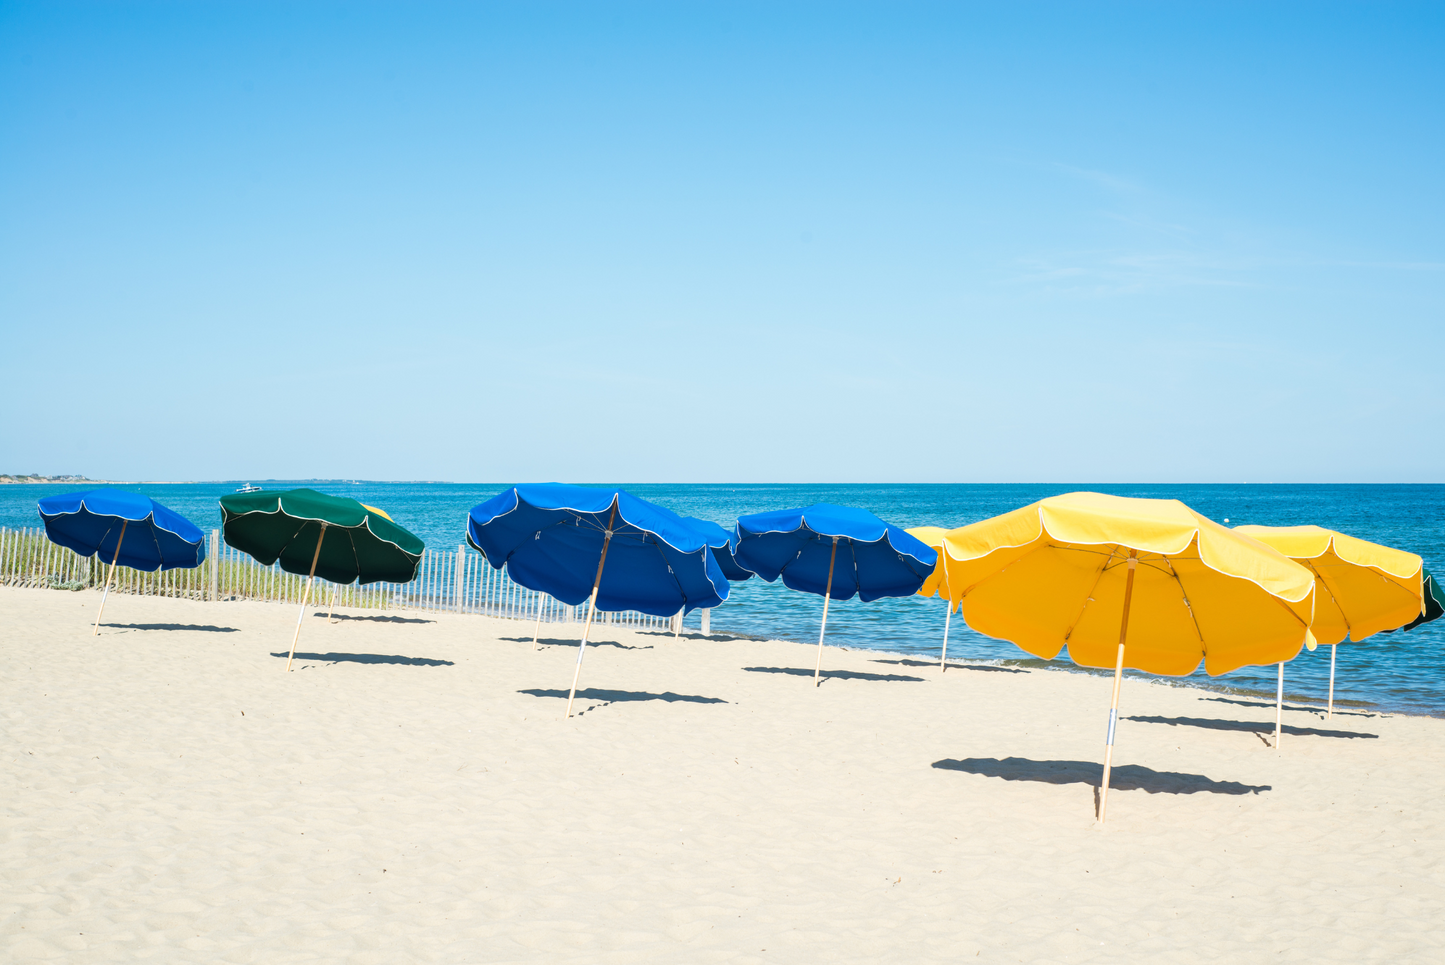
column 124, row 527
column 578, row 543
column 802, row 546
column 721, row 543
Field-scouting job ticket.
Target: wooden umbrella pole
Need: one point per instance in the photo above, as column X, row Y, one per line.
column 335, row 589
column 591, row 609
column 948, row 597
column 827, row 595
column 113, row 560
column 538, row 631
column 943, row 660
column 305, row 596
column 1118, row 676
column 1278, row 706
column 1330, row 712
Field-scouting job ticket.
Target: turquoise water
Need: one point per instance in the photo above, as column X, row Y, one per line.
column 1398, row 672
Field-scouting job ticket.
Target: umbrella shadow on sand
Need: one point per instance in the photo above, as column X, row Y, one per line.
column 983, row 667
column 391, row 658
column 607, row 697
column 207, row 628
column 692, row 635
column 1250, row 727
column 1302, row 709
column 836, row 674
column 572, row 642
column 1127, row 777
column 340, row 617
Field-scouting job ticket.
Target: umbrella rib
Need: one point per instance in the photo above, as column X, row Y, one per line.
column 287, row 545
column 150, row 530
column 857, row 577
column 351, row 538
column 109, row 529
column 673, row 573
column 1097, row 577
column 1187, row 604
column 1321, row 577
column 969, row 589
column 582, row 519
column 812, row 535
column 1084, row 549
column 1286, row 609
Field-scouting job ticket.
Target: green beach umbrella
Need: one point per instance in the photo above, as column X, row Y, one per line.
column 1434, row 601
column 340, row 539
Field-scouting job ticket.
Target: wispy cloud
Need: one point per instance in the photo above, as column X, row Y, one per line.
column 1104, row 273
column 1138, row 238
column 1103, row 179
column 1384, row 265
column 1152, row 225
column 1112, row 273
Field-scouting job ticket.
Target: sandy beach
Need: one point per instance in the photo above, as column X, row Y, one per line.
column 411, row 794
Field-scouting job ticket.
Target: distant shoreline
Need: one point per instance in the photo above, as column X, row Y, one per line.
column 81, row 480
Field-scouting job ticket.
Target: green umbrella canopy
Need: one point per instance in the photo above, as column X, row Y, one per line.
column 1434, row 601
column 361, row 544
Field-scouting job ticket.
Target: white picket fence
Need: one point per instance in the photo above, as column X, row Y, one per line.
column 461, row 582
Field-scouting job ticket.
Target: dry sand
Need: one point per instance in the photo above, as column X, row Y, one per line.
column 410, row 794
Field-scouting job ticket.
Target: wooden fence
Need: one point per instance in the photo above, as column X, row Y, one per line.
column 461, row 582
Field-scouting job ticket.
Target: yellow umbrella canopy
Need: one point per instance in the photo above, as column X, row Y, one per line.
column 1361, row 588
column 1054, row 574
column 1142, row 583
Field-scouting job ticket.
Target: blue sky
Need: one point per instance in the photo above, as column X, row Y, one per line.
column 692, row 242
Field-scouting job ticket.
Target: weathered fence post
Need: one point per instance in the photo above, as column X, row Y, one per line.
column 215, row 565
column 461, row 570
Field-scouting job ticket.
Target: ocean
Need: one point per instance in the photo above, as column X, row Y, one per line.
column 1399, row 672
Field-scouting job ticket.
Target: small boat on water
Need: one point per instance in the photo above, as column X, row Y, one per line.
column 248, row 488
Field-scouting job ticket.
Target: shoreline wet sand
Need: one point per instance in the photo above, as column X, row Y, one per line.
column 411, row 793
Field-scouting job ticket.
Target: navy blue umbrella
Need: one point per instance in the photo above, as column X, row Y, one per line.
column 122, row 526
column 802, row 546
column 558, row 539
column 721, row 542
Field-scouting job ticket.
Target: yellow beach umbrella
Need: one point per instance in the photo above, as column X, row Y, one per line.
column 1097, row 572
column 1361, row 588
column 937, row 582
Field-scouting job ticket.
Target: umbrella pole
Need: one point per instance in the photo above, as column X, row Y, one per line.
column 1278, row 706
column 943, row 660
column 335, row 589
column 591, row 609
column 113, row 560
column 304, row 597
column 1118, row 676
column 827, row 595
column 538, row 631
column 1331, row 711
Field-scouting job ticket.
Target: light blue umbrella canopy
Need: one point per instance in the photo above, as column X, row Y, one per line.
column 874, row 559
column 156, row 538
column 550, row 538
column 721, row 542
